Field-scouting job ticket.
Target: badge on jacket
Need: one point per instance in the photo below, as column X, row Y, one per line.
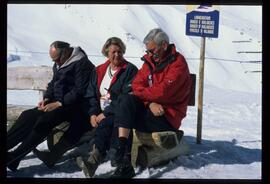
column 150, row 80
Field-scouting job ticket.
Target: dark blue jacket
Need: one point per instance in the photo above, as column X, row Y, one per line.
column 70, row 80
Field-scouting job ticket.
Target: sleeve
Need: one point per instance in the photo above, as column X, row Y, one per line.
column 131, row 73
column 163, row 91
column 140, row 81
column 49, row 91
column 91, row 97
column 125, row 89
column 81, row 79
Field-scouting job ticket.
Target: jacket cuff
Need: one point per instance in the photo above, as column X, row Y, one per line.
column 107, row 113
column 93, row 113
column 146, row 104
column 60, row 104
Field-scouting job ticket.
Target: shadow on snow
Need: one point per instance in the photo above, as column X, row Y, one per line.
column 208, row 152
column 212, row 152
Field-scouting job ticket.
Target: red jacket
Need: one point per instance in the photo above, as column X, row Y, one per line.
column 170, row 85
column 101, row 70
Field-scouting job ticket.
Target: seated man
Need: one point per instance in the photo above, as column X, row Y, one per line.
column 161, row 93
column 63, row 101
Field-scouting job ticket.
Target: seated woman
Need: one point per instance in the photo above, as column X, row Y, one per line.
column 113, row 79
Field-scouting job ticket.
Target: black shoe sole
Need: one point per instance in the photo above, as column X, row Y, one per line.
column 130, row 173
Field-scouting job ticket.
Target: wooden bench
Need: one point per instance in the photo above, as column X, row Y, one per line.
column 149, row 149
column 25, row 78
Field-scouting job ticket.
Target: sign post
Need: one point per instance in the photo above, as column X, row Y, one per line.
column 200, row 95
column 203, row 21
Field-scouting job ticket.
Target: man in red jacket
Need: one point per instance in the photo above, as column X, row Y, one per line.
column 160, row 96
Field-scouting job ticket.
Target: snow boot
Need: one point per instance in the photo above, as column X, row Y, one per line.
column 51, row 157
column 124, row 170
column 124, row 167
column 117, row 158
column 90, row 165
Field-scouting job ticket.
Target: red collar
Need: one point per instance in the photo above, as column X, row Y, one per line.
column 101, row 70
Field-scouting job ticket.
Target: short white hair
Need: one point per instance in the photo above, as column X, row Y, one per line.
column 157, row 35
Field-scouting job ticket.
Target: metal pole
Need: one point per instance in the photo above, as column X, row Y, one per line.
column 200, row 95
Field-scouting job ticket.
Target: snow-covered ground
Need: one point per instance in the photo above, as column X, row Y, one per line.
column 231, row 145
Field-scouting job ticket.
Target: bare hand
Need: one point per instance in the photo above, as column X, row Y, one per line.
column 51, row 106
column 156, row 109
column 93, row 121
column 100, row 117
column 41, row 105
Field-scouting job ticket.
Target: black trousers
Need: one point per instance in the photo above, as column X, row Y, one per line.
column 106, row 136
column 43, row 123
column 132, row 113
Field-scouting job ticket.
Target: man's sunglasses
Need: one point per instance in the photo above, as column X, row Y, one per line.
column 150, row 51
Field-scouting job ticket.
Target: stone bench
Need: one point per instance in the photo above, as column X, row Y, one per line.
column 153, row 149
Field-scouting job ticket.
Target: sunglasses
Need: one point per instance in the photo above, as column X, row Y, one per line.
column 150, row 51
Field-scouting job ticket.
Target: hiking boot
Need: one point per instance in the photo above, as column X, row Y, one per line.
column 90, row 165
column 121, row 153
column 116, row 158
column 50, row 158
column 124, row 170
column 80, row 161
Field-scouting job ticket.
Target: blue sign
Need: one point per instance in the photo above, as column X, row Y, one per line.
column 203, row 22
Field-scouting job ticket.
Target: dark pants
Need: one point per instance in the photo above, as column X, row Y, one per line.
column 43, row 122
column 132, row 113
column 79, row 124
column 106, row 136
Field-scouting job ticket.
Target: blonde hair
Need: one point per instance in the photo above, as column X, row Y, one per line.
column 113, row 41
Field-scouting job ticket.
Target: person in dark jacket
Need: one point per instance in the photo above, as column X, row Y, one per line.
column 113, row 79
column 63, row 101
column 160, row 96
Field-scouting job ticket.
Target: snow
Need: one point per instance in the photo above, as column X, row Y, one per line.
column 231, row 145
